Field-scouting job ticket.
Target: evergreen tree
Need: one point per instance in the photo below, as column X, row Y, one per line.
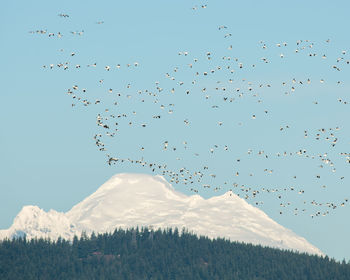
column 161, row 254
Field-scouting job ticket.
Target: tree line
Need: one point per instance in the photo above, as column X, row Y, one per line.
column 161, row 254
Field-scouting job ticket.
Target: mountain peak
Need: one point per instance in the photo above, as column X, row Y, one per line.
column 134, row 181
column 130, row 200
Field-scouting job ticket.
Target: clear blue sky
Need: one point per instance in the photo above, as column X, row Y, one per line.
column 48, row 154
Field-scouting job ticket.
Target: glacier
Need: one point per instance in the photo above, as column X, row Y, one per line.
column 129, row 200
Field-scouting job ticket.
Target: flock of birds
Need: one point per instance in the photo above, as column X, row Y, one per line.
column 209, row 97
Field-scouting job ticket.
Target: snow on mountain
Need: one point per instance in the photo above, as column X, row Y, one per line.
column 35, row 222
column 130, row 200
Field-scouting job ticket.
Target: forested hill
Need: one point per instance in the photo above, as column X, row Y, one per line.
column 145, row 254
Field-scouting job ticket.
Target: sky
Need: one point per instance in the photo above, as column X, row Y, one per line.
column 248, row 121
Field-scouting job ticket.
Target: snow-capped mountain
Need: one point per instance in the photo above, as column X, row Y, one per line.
column 130, row 200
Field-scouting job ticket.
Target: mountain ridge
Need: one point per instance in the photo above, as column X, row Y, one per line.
column 130, row 200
